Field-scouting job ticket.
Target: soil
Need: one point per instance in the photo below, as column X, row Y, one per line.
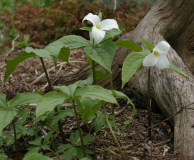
column 133, row 137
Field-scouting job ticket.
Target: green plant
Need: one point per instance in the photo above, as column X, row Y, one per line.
column 85, row 98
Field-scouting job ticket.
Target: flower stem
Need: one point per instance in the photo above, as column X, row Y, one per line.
column 118, row 145
column 80, row 133
column 94, row 72
column 149, row 105
column 111, row 86
column 56, row 110
column 15, row 139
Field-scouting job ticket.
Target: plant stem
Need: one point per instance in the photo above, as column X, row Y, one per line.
column 46, row 73
column 118, row 145
column 15, row 138
column 111, row 86
column 94, row 72
column 56, row 110
column 93, row 67
column 80, row 133
column 149, row 105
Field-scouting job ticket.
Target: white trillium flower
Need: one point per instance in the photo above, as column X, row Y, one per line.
column 158, row 56
column 99, row 27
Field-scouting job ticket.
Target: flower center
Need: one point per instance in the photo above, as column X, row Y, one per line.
column 156, row 53
column 98, row 26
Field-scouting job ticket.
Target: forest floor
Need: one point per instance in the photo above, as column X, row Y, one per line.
column 133, row 137
column 28, row 77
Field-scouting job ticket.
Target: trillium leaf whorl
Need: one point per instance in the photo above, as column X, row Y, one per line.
column 99, row 27
column 158, row 56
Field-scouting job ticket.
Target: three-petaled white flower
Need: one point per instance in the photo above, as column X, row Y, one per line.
column 99, row 27
column 158, row 56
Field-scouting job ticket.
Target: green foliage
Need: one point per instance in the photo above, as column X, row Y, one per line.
column 148, row 45
column 49, row 101
column 74, row 148
column 96, row 92
column 132, row 64
column 2, row 155
column 52, row 51
column 7, row 109
column 62, row 115
column 111, row 35
column 174, row 68
column 36, row 156
column 23, row 43
column 128, row 44
column 12, row 63
column 100, row 122
column 88, row 107
column 74, row 42
column 102, row 54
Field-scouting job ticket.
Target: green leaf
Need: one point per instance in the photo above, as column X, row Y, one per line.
column 99, row 122
column 100, row 16
column 80, row 153
column 3, row 103
column 88, row 139
column 63, row 147
column 88, row 107
column 149, row 45
column 86, row 29
column 176, row 69
column 111, row 34
column 21, row 129
column 32, row 149
column 49, row 101
column 36, row 156
column 132, row 64
column 64, row 54
column 89, row 60
column 75, row 138
column 36, row 142
column 62, row 115
column 51, row 51
column 96, row 92
column 69, row 153
column 74, row 42
column 69, row 90
column 122, row 95
column 102, row 54
column 6, row 117
column 128, row 44
column 126, row 122
column 24, row 98
column 12, row 63
column 32, row 132
column 23, row 112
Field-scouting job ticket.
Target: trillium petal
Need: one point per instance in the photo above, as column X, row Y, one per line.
column 162, row 47
column 97, row 34
column 150, row 60
column 163, row 62
column 108, row 24
column 92, row 18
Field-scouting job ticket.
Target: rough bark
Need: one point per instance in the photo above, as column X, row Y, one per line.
column 172, row 21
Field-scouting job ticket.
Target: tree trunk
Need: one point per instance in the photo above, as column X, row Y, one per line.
column 173, row 21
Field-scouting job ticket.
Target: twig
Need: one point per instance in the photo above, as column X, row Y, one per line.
column 42, row 75
column 12, row 43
